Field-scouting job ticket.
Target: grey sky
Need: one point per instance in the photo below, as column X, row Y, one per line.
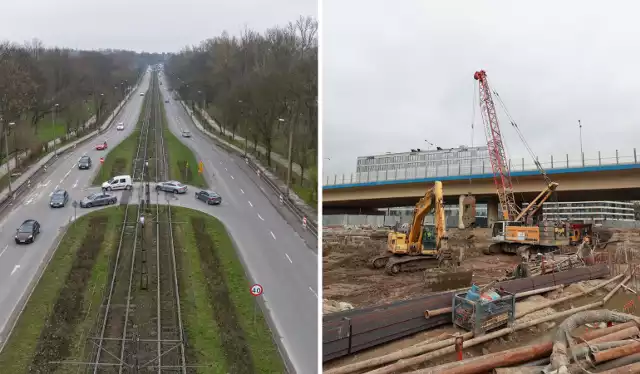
column 397, row 73
column 149, row 25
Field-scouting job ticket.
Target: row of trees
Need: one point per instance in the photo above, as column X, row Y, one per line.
column 39, row 83
column 258, row 86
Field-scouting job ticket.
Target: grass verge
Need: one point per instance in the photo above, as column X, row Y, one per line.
column 47, row 328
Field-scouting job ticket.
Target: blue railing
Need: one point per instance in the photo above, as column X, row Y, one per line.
column 482, row 169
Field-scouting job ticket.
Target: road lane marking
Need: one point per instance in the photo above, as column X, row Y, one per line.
column 288, row 258
column 274, row 237
column 15, row 268
column 75, row 184
column 225, row 169
column 241, row 190
column 232, row 177
column 46, row 183
column 69, row 172
column 250, row 204
column 314, row 292
column 5, row 248
column 259, row 216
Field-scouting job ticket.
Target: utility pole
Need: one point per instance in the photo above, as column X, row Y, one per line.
column 53, row 129
column 289, row 162
column 581, row 152
column 6, row 146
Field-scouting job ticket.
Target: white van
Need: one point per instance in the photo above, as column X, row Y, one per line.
column 121, row 182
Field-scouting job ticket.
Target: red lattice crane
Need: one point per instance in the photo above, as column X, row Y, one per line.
column 497, row 155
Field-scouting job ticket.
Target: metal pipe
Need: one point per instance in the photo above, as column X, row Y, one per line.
column 519, row 370
column 629, row 369
column 622, row 361
column 613, row 353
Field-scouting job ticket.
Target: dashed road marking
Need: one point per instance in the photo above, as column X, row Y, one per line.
column 15, row 268
column 272, row 234
column 250, row 204
column 259, row 216
column 241, row 190
column 75, row 184
column 225, row 169
column 232, row 177
column 5, row 248
column 288, row 258
column 314, row 292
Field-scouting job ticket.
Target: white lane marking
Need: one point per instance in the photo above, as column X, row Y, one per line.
column 241, row 190
column 5, row 248
column 51, row 193
column 259, row 216
column 225, row 169
column 232, row 177
column 75, row 184
column 69, row 172
column 46, row 183
column 250, row 204
column 314, row 292
column 288, row 258
column 15, row 268
column 274, row 237
column 262, row 189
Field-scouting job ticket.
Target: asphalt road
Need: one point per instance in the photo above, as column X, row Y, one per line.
column 19, row 263
column 277, row 256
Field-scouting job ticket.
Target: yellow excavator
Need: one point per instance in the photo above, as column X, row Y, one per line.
column 417, row 248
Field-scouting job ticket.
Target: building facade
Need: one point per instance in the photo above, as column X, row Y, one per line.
column 423, row 164
column 589, row 211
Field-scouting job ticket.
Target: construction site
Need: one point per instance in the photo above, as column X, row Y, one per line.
column 528, row 294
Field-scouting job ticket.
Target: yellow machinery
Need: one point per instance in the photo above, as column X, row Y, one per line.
column 420, row 245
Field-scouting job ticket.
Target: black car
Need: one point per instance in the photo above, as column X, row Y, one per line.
column 84, row 162
column 27, row 231
column 209, row 197
column 59, row 199
column 97, row 199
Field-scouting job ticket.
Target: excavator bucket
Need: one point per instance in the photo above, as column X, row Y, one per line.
column 468, row 211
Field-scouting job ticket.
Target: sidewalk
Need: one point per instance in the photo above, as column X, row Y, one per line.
column 274, row 156
column 24, row 177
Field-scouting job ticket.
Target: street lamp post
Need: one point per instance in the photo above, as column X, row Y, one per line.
column 581, row 152
column 246, row 134
column 53, row 129
column 290, row 149
column 6, row 145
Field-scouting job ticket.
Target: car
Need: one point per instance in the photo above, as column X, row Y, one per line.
column 172, row 186
column 186, row 133
column 98, row 199
column 141, row 93
column 120, row 182
column 84, row 162
column 120, row 126
column 101, row 146
column 59, row 199
column 166, row 101
column 27, row 231
column 209, row 197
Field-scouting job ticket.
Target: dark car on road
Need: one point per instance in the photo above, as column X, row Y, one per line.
column 98, row 199
column 84, row 162
column 27, row 231
column 172, row 186
column 209, row 197
column 59, row 199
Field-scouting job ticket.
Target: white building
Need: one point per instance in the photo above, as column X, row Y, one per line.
column 588, row 211
column 423, row 164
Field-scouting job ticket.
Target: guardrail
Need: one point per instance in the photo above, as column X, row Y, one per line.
column 52, row 157
column 473, row 167
column 308, row 223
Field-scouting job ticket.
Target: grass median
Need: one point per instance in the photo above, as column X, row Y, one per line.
column 225, row 330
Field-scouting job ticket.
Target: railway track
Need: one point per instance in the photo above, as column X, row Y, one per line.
column 140, row 327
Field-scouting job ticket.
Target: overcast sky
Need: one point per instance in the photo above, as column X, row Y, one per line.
column 149, row 25
column 397, row 73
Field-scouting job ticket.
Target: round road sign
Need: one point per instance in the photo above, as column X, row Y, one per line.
column 256, row 290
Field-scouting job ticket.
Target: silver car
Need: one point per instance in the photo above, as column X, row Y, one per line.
column 186, row 133
column 97, row 199
column 172, row 186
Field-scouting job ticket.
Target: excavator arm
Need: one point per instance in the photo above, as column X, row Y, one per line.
column 433, row 199
column 536, row 204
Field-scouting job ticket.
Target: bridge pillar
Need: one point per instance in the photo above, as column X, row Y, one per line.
column 492, row 211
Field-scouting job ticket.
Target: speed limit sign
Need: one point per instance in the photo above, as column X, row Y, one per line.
column 256, row 290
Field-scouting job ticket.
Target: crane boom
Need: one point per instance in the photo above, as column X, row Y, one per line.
column 497, row 155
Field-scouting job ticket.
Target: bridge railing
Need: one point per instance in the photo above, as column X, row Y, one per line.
column 450, row 168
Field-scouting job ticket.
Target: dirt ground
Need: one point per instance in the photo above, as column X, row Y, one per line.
column 347, row 276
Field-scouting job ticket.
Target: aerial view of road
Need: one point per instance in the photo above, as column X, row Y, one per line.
column 276, row 255
column 19, row 263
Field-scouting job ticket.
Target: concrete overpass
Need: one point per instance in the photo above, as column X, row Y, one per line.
column 600, row 182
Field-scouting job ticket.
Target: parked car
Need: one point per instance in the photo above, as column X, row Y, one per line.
column 84, row 162
column 28, row 231
column 121, row 182
column 120, row 126
column 172, row 186
column 141, row 93
column 102, row 146
column 166, row 101
column 209, row 197
column 59, row 199
column 186, row 133
column 98, row 199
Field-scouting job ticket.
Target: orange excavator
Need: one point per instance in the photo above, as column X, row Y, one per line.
column 417, row 248
column 516, row 232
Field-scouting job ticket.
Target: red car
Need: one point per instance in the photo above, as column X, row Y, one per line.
column 101, row 147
